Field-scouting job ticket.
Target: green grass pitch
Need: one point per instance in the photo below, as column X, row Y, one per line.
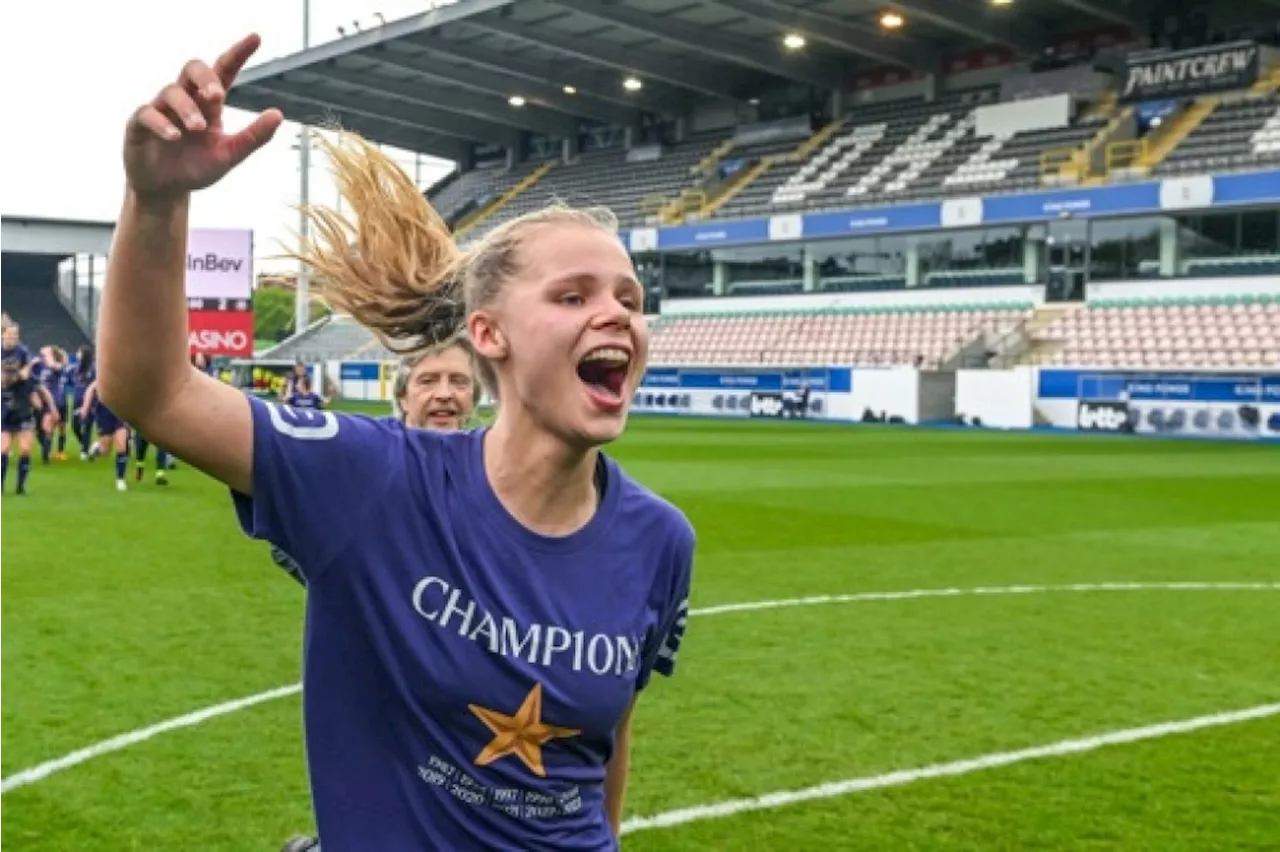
column 123, row 610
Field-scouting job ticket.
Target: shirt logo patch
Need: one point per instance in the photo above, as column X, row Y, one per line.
column 304, row 424
column 522, row 735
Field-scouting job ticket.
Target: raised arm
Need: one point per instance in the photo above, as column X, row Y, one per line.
column 174, row 145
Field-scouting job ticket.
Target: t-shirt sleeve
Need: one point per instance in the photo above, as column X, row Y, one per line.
column 317, row 476
column 288, row 564
column 661, row 654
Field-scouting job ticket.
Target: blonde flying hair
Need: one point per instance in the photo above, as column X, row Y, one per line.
column 391, row 263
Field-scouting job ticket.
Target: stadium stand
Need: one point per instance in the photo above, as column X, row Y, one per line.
column 613, row 179
column 904, row 151
column 876, row 336
column 1169, row 331
column 473, row 190
column 730, row 133
column 1237, row 134
column 42, row 317
column 333, row 338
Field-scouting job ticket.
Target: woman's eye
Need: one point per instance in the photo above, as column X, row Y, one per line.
column 571, row 299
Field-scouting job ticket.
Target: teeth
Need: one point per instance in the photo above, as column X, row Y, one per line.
column 609, row 355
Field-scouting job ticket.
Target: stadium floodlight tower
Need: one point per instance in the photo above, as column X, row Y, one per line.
column 302, row 292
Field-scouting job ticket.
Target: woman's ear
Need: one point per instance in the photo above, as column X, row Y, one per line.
column 486, row 336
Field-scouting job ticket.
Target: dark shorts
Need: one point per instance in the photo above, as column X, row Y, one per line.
column 17, row 418
column 106, row 420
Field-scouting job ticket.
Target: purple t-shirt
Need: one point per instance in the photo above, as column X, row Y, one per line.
column 463, row 675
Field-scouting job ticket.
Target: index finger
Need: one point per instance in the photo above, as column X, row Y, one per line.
column 228, row 65
column 200, row 78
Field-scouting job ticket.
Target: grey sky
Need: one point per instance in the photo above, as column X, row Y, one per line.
column 71, row 71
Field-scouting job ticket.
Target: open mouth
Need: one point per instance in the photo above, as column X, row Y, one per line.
column 604, row 370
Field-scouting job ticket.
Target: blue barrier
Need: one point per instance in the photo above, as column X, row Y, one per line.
column 1180, row 194
column 1083, row 383
column 1243, row 405
column 836, row 379
column 740, row 392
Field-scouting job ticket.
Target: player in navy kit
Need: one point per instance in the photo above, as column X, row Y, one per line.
column 46, row 374
column 140, row 447
column 113, row 433
column 81, row 377
column 19, row 415
column 301, row 395
column 57, row 381
column 483, row 607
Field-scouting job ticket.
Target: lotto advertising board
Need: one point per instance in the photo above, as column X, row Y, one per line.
column 1234, row 406
column 1103, row 416
column 768, row 405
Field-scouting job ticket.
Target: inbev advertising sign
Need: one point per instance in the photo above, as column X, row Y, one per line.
column 228, row 333
column 219, row 264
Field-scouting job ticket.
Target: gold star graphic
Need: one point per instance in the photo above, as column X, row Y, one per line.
column 523, row 734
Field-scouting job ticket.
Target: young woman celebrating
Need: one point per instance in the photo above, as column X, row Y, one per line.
column 483, row 607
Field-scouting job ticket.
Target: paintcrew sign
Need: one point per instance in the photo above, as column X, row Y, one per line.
column 1188, row 73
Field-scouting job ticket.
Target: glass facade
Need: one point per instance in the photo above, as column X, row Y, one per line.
column 1120, row 249
column 1244, row 242
column 80, row 279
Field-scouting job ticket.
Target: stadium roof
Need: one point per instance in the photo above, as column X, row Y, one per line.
column 433, row 82
column 61, row 237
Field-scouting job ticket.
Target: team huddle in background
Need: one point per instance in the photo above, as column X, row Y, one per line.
column 42, row 395
column 53, row 392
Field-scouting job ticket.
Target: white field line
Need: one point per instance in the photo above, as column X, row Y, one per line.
column 849, row 786
column 116, row 743
column 976, row 591
column 44, row 770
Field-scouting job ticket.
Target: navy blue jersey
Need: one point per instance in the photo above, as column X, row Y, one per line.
column 16, row 411
column 56, row 379
column 13, row 359
column 81, row 380
column 306, row 400
column 39, row 370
